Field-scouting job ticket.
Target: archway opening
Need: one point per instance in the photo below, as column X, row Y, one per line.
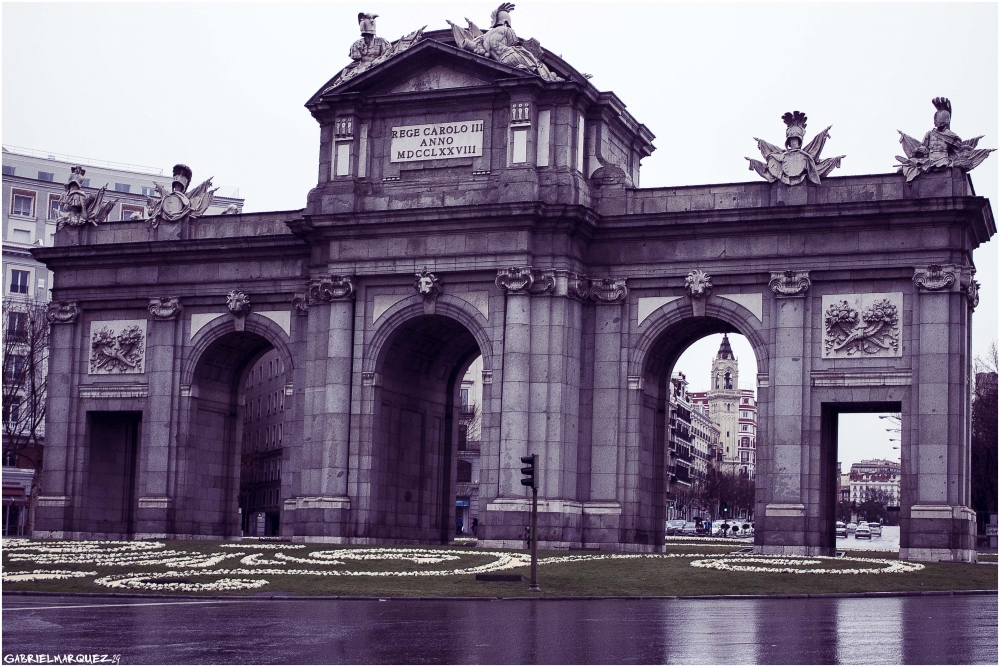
column 700, row 428
column 418, row 412
column 229, row 469
column 864, row 490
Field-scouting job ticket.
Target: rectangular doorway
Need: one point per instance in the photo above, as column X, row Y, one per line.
column 109, row 495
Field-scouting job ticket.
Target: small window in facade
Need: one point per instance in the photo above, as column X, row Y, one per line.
column 85, row 183
column 19, row 281
column 8, row 170
column 123, row 187
column 131, row 212
column 148, row 192
column 53, row 207
column 22, row 202
column 20, row 236
column 46, row 176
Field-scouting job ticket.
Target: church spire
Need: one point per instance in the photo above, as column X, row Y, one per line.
column 725, row 352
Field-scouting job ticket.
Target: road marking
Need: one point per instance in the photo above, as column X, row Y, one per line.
column 129, row 604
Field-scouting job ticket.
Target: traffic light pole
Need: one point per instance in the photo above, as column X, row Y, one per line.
column 533, row 586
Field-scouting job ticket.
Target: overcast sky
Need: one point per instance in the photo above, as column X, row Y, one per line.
column 221, row 87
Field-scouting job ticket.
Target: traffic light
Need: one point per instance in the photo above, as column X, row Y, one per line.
column 529, row 470
column 725, row 509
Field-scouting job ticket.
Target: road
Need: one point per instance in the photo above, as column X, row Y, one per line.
column 910, row 630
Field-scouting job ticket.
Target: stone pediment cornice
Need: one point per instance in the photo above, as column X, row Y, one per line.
column 423, row 52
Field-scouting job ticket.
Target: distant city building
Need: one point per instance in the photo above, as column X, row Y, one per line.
column 263, row 445
column 876, row 475
column 469, row 434
column 733, row 410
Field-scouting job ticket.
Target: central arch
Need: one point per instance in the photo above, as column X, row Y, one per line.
column 412, row 471
column 663, row 339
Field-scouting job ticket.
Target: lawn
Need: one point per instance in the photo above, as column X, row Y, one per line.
column 702, row 567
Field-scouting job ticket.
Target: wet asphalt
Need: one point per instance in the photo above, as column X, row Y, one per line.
column 951, row 629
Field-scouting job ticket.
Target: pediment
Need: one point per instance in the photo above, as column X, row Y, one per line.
column 426, row 66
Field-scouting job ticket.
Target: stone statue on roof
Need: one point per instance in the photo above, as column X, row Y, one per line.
column 940, row 148
column 179, row 204
column 795, row 164
column 77, row 208
column 371, row 50
column 502, row 44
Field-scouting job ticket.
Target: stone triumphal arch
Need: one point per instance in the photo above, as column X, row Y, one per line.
column 477, row 197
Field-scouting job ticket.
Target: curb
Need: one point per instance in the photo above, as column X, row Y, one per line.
column 300, row 598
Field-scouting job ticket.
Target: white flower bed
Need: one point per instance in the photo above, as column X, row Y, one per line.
column 786, row 565
column 255, row 562
column 41, row 575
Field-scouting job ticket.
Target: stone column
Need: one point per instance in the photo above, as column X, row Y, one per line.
column 156, row 453
column 936, row 522
column 320, row 505
column 53, row 513
column 612, row 468
column 786, row 478
column 506, row 515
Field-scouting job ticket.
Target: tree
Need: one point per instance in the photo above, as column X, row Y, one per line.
column 984, row 436
column 734, row 493
column 25, row 370
column 873, row 506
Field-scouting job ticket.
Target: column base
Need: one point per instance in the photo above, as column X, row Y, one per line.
column 938, row 533
column 316, row 519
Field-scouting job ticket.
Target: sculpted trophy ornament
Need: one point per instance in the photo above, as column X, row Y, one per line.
column 795, row 164
column 371, row 50
column 179, row 204
column 500, row 43
column 941, row 148
column 77, row 208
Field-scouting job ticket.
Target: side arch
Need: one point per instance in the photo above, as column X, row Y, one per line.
column 224, row 325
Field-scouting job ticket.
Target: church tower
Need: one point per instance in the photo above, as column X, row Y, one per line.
column 724, row 401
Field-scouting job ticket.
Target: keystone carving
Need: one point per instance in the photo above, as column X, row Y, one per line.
column 933, row 277
column 333, row 288
column 876, row 328
column 794, row 164
column 238, row 303
column 789, row 283
column 515, row 278
column 941, row 148
column 500, row 43
column 62, row 312
column 179, row 205
column 698, row 284
column 608, row 290
column 427, row 285
column 164, row 307
column 77, row 208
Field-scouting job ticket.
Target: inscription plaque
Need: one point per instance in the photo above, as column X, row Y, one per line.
column 437, row 141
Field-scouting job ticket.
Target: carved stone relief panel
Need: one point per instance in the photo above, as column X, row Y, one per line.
column 862, row 325
column 117, row 347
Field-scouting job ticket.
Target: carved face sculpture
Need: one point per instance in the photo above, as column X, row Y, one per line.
column 425, row 285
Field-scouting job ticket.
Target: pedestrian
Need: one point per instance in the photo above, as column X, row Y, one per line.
column 475, row 524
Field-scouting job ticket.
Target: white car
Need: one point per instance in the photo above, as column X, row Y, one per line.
column 851, row 527
column 876, row 529
column 863, row 531
column 675, row 526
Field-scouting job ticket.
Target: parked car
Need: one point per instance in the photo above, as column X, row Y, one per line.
column 675, row 526
column 841, row 529
column 863, row 531
column 876, row 529
column 690, row 528
column 851, row 527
